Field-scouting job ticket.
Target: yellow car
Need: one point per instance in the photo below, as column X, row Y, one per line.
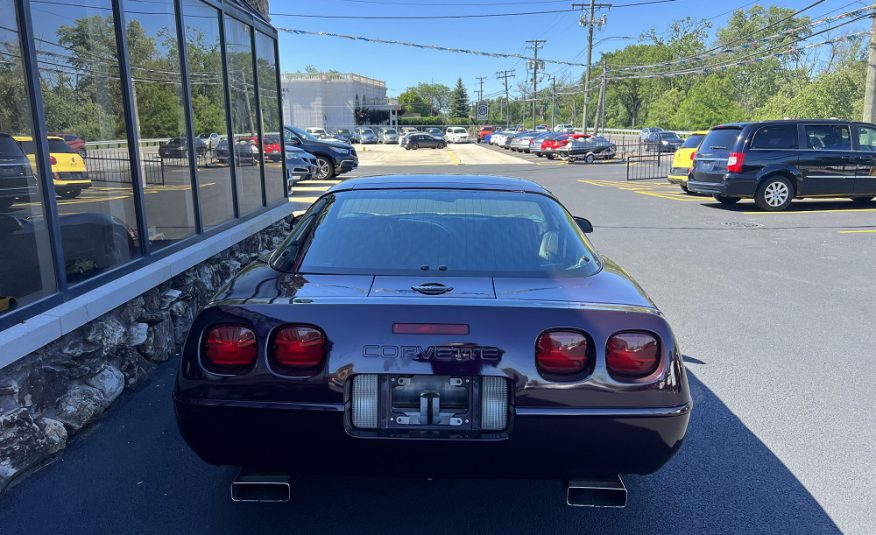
column 683, row 159
column 68, row 168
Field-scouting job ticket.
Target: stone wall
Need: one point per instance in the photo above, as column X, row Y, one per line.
column 51, row 394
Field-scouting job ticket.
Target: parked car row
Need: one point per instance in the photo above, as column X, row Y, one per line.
column 569, row 146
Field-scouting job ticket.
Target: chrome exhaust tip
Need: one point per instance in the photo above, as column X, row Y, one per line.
column 607, row 492
column 251, row 486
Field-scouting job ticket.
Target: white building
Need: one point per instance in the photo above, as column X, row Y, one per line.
column 328, row 100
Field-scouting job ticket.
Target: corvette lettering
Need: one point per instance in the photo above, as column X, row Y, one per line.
column 460, row 353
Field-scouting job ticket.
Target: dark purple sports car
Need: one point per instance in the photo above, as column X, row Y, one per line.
column 434, row 326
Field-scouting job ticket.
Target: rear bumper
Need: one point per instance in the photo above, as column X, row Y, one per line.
column 310, row 438
column 730, row 186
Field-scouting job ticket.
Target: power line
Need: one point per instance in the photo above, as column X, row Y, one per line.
column 426, row 47
column 741, row 38
column 453, row 17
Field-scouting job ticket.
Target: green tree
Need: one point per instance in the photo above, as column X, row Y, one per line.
column 436, row 95
column 413, row 102
column 830, row 94
column 459, row 100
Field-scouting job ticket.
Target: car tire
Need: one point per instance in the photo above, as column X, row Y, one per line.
column 414, row 146
column 589, row 158
column 325, row 169
column 723, row 199
column 69, row 193
column 550, row 156
column 862, row 200
column 685, row 189
column 774, row 194
column 441, row 145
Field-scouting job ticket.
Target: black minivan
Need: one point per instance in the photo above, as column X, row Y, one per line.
column 774, row 162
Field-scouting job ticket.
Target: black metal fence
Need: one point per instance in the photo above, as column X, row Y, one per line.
column 648, row 166
column 157, row 171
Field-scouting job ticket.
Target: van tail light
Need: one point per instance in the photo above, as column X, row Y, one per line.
column 299, row 347
column 561, row 352
column 230, row 345
column 735, row 161
column 632, row 354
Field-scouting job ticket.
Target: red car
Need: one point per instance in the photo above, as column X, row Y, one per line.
column 484, row 132
column 270, row 147
column 554, row 142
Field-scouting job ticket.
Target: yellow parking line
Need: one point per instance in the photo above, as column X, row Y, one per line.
column 308, row 188
column 843, row 210
column 330, row 182
column 670, row 197
column 868, row 231
column 454, row 158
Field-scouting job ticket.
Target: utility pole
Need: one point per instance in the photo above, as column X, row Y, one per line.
column 481, row 90
column 600, row 105
column 535, row 44
column 870, row 86
column 590, row 22
column 504, row 75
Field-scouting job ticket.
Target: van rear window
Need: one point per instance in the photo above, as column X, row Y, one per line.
column 9, row 149
column 720, row 141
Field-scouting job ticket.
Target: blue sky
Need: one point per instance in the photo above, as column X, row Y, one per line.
column 401, row 67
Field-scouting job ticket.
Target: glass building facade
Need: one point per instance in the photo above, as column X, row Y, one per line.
column 129, row 129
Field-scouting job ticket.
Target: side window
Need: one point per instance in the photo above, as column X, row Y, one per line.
column 828, row 137
column 782, row 136
column 866, row 138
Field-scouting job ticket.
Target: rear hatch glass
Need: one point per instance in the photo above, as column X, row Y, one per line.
column 9, row 149
column 710, row 164
column 693, row 141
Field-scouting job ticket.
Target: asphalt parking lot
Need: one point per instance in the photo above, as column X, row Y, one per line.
column 774, row 312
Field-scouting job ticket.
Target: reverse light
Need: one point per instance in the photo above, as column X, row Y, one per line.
column 561, row 352
column 735, row 162
column 230, row 345
column 632, row 354
column 494, row 403
column 363, row 410
column 299, row 347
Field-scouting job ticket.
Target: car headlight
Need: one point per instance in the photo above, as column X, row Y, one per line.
column 340, row 150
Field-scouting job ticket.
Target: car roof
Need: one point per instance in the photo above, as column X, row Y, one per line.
column 476, row 182
column 30, row 138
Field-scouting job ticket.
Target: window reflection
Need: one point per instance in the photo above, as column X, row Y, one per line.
column 164, row 139
column 204, row 55
column 266, row 66
column 244, row 122
column 76, row 56
column 26, row 272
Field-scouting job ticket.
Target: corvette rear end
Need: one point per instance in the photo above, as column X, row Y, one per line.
column 530, row 357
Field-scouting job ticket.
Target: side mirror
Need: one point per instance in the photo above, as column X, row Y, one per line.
column 294, row 141
column 583, row 224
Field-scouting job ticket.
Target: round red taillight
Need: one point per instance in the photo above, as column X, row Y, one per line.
column 299, row 347
column 53, row 160
column 230, row 345
column 632, row 354
column 561, row 352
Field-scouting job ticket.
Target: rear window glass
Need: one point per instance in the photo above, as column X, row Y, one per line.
column 828, row 137
column 59, row 145
column 9, row 149
column 446, row 232
column 693, row 141
column 720, row 141
column 782, row 136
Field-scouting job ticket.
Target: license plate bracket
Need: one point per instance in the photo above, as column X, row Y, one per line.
column 429, row 403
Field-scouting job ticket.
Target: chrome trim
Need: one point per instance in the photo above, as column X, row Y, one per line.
column 623, row 412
